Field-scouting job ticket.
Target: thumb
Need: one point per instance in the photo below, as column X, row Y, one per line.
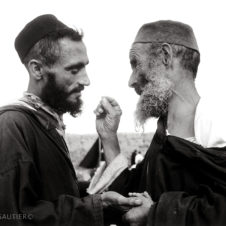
column 146, row 195
column 106, row 105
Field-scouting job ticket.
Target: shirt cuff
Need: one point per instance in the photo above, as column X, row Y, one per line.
column 105, row 175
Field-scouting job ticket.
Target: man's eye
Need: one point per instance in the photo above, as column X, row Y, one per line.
column 133, row 64
column 75, row 71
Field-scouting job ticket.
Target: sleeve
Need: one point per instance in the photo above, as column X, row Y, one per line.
column 20, row 189
column 105, row 175
column 116, row 174
column 182, row 209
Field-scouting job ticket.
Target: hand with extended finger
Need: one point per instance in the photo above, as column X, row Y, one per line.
column 108, row 114
column 137, row 216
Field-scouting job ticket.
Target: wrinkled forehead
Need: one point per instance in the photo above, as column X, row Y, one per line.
column 67, row 45
column 139, row 50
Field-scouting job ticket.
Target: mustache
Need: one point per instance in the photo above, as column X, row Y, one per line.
column 51, row 76
column 138, row 89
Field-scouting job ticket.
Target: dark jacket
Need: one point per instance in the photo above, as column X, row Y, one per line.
column 186, row 181
column 38, row 183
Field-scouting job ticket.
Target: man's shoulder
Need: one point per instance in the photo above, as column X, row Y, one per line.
column 210, row 108
column 210, row 122
column 14, row 113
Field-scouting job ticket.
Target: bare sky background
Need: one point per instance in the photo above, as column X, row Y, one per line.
column 110, row 28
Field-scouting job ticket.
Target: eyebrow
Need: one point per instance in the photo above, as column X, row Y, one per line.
column 76, row 66
column 132, row 54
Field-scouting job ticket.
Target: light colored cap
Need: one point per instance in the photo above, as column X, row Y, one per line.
column 168, row 31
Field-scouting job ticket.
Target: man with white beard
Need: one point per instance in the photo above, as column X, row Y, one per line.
column 184, row 169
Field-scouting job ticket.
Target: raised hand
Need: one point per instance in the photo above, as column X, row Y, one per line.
column 137, row 216
column 108, row 113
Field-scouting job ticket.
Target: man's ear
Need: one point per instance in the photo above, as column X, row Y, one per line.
column 167, row 54
column 35, row 69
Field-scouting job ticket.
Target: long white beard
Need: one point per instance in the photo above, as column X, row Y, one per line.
column 154, row 100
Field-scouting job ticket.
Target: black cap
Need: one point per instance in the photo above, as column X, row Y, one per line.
column 34, row 31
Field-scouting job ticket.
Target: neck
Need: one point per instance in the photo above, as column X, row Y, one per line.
column 34, row 89
column 182, row 108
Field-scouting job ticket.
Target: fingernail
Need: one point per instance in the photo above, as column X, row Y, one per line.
column 138, row 201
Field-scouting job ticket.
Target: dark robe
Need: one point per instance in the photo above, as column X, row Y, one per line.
column 38, row 184
column 186, row 181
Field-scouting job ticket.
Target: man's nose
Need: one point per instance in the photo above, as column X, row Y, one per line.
column 132, row 80
column 85, row 79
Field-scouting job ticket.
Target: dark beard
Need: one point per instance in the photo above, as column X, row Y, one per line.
column 56, row 97
column 154, row 100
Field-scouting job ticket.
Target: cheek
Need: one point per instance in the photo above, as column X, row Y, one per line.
column 66, row 81
column 155, row 76
column 142, row 79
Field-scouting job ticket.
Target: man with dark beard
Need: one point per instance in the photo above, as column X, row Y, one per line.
column 38, row 184
column 184, row 169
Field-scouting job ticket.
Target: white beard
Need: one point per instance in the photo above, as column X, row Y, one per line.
column 154, row 99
